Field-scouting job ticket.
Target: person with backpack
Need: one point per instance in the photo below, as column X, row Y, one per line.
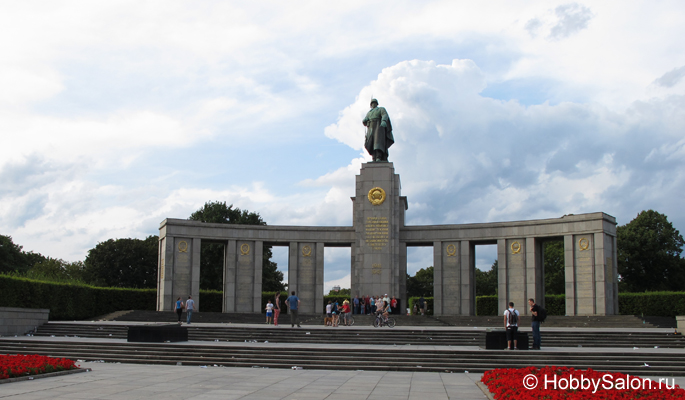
column 511, row 323
column 539, row 314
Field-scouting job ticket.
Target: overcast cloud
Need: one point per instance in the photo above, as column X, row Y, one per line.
column 117, row 115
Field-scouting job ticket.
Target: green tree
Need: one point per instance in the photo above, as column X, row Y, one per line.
column 486, row 281
column 649, row 254
column 128, row 263
column 421, row 284
column 13, row 259
column 341, row 292
column 58, row 270
column 555, row 278
column 212, row 254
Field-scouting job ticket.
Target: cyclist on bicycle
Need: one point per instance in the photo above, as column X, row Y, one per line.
column 385, row 310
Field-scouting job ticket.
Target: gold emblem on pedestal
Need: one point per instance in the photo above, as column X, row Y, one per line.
column 377, row 196
column 182, row 246
column 244, row 249
column 376, row 269
column 515, row 248
column 306, row 251
column 583, row 244
column 451, row 250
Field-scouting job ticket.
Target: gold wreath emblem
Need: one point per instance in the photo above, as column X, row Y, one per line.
column 451, row 250
column 515, row 248
column 584, row 244
column 377, row 196
column 306, row 251
column 244, row 249
column 182, row 246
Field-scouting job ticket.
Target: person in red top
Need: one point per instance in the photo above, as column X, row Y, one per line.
column 346, row 313
column 393, row 304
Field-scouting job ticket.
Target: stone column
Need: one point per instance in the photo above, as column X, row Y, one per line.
column 165, row 297
column 591, row 274
column 585, row 278
column 378, row 214
column 257, row 277
column 195, row 272
column 230, row 268
column 467, row 278
column 181, row 267
column 438, row 280
column 402, row 295
column 318, row 297
column 305, row 271
column 511, row 274
column 535, row 279
column 447, row 278
column 569, row 276
column 245, row 276
column 293, row 268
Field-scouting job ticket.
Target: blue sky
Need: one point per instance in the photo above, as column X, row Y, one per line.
column 117, row 115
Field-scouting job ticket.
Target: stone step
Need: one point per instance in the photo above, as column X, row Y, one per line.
column 341, row 335
column 401, row 359
column 609, row 321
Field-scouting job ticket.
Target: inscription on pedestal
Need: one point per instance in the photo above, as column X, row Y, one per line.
column 377, row 231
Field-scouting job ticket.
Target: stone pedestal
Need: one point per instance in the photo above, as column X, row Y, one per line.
column 379, row 264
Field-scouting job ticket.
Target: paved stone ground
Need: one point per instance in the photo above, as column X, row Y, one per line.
column 133, row 381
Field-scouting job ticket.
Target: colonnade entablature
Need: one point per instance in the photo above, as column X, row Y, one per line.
column 379, row 239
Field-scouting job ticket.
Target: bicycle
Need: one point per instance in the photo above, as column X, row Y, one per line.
column 350, row 320
column 380, row 321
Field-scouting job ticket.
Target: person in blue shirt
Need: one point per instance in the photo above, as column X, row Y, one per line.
column 293, row 303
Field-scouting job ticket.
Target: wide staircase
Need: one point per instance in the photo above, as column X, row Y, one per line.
column 487, row 321
column 399, row 358
column 399, row 336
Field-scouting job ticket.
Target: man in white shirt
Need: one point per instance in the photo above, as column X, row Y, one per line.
column 511, row 320
column 190, row 307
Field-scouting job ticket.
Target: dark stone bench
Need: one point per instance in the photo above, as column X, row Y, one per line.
column 496, row 339
column 157, row 333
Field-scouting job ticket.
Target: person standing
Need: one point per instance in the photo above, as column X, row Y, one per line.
column 355, row 310
column 269, row 311
column 293, row 303
column 535, row 324
column 422, row 304
column 179, row 309
column 190, row 307
column 393, row 305
column 511, row 324
column 362, row 306
column 277, row 307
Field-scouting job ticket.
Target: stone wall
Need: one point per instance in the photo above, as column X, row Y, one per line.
column 18, row 321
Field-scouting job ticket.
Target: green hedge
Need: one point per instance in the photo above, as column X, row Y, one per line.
column 68, row 301
column 662, row 304
column 428, row 300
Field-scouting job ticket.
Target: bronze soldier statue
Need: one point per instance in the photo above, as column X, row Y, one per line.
column 378, row 133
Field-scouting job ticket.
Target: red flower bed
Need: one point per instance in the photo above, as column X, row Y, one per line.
column 19, row 365
column 552, row 383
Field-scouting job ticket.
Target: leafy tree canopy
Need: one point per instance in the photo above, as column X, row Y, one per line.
column 555, row 278
column 128, row 263
column 649, row 254
column 486, row 281
column 421, row 284
column 52, row 269
column 341, row 292
column 13, row 259
column 212, row 257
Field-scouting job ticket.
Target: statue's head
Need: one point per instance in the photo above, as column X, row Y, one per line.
column 374, row 101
